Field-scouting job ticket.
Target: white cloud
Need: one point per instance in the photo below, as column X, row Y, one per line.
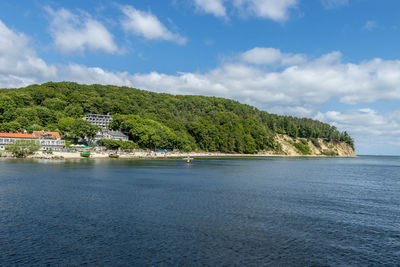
column 277, row 10
column 215, row 7
column 364, row 121
column 374, row 132
column 146, row 25
column 79, row 32
column 370, row 25
column 90, row 75
column 332, row 4
column 271, row 56
column 19, row 63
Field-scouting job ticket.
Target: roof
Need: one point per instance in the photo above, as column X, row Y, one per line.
column 98, row 116
column 117, row 134
column 17, row 135
column 53, row 134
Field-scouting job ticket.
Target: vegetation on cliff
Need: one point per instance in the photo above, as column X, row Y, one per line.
column 154, row 120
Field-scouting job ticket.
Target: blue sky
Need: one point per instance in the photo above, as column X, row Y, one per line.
column 333, row 60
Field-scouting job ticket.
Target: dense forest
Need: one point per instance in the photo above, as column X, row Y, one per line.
column 154, row 120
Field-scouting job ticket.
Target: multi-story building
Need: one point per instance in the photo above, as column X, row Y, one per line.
column 103, row 121
column 9, row 138
column 99, row 120
column 48, row 140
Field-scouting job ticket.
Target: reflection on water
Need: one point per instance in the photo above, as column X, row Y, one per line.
column 260, row 211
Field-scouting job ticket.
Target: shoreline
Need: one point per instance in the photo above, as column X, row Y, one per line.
column 161, row 155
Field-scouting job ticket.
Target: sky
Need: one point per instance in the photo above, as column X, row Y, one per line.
column 336, row 61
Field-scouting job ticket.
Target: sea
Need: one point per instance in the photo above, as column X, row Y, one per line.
column 212, row 212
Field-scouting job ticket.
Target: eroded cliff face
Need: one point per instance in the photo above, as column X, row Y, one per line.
column 318, row 147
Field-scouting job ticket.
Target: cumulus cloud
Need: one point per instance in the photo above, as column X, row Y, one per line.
column 271, row 56
column 148, row 26
column 215, row 7
column 372, row 131
column 277, row 10
column 363, row 121
column 19, row 63
column 332, row 4
column 89, row 75
column 72, row 32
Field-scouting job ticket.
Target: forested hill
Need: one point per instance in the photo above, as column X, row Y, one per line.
column 155, row 120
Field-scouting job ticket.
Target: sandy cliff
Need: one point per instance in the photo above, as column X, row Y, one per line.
column 319, row 147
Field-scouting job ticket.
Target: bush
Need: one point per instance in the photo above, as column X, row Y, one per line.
column 329, row 153
column 315, row 142
column 117, row 144
column 302, row 147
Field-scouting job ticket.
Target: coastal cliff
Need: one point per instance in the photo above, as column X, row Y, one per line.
column 316, row 147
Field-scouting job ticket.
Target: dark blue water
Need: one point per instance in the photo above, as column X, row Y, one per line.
column 271, row 211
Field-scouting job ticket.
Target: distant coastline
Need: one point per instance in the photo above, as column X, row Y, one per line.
column 129, row 119
column 161, row 155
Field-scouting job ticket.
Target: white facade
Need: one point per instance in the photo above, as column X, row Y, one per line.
column 47, row 144
column 99, row 120
column 103, row 121
column 4, row 141
column 117, row 135
column 51, row 144
column 113, row 135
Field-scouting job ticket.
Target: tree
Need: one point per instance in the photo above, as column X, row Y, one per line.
column 117, row 144
column 109, row 144
column 7, row 108
column 23, row 148
column 74, row 110
column 11, row 127
column 55, row 104
column 65, row 124
column 81, row 129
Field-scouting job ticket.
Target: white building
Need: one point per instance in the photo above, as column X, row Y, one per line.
column 48, row 140
column 103, row 121
column 99, row 120
column 9, row 138
column 116, row 135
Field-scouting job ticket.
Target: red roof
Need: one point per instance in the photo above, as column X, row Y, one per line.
column 17, row 135
column 53, row 134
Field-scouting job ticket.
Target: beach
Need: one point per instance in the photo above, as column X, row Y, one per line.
column 154, row 155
